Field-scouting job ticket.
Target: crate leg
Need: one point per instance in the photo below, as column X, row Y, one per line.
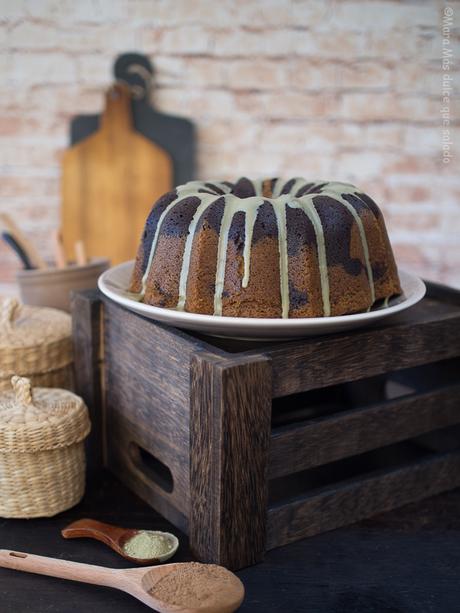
column 87, row 338
column 230, row 418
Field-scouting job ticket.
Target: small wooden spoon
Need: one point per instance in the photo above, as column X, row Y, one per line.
column 115, row 537
column 58, row 246
column 134, row 581
column 80, row 253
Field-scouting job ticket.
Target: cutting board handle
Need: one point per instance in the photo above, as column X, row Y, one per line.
column 117, row 114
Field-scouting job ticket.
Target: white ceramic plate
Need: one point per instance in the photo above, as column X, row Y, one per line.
column 113, row 283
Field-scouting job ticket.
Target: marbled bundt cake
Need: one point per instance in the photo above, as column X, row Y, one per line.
column 265, row 248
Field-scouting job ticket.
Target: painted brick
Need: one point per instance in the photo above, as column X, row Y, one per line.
column 381, row 16
column 289, row 105
column 257, row 74
column 343, row 90
column 93, row 69
column 403, row 194
column 389, row 106
column 227, row 134
column 412, row 164
column 365, row 75
column 83, row 11
column 309, row 136
column 13, row 186
column 374, row 136
column 354, row 166
column 237, row 42
column 184, row 40
column 340, row 46
column 31, row 35
column 417, row 221
column 312, row 74
column 204, row 72
column 415, row 77
column 393, row 45
column 273, row 13
column 193, row 104
column 164, row 13
column 39, row 68
column 299, row 164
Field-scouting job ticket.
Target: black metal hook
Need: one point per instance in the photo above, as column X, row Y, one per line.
column 136, row 71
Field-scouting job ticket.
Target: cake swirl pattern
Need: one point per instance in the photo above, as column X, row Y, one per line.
column 265, row 248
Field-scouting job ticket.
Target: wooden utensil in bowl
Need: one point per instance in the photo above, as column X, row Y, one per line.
column 52, row 287
column 20, row 243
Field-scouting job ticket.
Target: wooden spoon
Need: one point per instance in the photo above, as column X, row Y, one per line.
column 58, row 247
column 80, row 253
column 115, row 537
column 135, row 581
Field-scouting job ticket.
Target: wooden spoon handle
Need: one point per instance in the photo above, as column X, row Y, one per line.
column 80, row 253
column 91, row 528
column 64, row 569
column 59, row 253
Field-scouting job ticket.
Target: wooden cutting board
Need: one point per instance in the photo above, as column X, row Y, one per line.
column 176, row 135
column 110, row 181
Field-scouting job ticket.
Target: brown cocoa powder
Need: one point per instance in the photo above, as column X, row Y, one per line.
column 193, row 584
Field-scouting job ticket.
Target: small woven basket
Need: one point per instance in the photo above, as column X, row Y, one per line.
column 42, row 456
column 35, row 342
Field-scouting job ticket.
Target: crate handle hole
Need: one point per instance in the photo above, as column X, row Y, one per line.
column 152, row 467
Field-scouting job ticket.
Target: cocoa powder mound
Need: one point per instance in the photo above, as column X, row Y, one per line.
column 193, row 584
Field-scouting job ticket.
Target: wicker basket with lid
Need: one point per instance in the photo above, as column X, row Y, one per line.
column 35, row 342
column 42, row 456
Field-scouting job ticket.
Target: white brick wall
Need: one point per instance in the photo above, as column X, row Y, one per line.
column 345, row 90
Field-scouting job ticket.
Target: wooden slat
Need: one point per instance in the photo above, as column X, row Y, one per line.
column 357, row 499
column 122, row 461
column 330, row 360
column 86, row 308
column 230, row 427
column 298, row 447
column 442, row 292
column 147, row 397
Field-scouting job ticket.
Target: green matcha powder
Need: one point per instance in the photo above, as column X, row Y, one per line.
column 147, row 544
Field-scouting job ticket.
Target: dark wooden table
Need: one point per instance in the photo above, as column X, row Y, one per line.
column 407, row 561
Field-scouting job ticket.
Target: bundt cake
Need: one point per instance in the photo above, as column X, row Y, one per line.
column 265, row 248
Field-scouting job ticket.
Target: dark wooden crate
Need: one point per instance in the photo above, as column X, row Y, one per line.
column 248, row 446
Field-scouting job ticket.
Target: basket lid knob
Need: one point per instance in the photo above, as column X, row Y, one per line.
column 22, row 389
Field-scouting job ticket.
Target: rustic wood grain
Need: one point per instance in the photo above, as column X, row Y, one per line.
column 424, row 334
column 230, row 426
column 298, row 447
column 203, row 408
column 86, row 308
column 109, row 182
column 358, row 498
column 147, row 399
